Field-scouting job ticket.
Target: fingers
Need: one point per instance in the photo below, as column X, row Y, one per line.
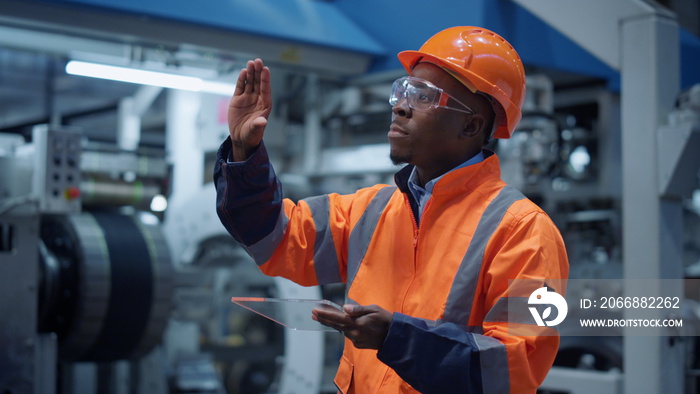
column 334, row 319
column 251, row 77
column 331, row 314
column 240, row 83
column 351, row 309
column 330, row 323
column 258, row 65
column 360, row 310
column 365, row 326
column 265, row 82
column 259, row 124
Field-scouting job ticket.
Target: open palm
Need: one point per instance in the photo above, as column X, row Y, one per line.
column 249, row 109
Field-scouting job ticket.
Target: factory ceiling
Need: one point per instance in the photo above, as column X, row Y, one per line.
column 38, row 37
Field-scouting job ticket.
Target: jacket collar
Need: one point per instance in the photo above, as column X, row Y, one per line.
column 466, row 179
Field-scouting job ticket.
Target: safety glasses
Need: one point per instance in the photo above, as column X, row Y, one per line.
column 422, row 95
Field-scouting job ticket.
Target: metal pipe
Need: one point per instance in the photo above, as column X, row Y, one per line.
column 117, row 193
column 312, row 125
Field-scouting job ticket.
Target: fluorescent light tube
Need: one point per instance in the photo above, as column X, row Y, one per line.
column 145, row 77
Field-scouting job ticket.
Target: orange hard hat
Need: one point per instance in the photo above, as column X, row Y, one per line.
column 484, row 62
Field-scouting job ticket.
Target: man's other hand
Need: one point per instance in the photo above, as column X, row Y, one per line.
column 366, row 326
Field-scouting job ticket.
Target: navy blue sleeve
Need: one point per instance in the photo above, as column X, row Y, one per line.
column 440, row 359
column 248, row 194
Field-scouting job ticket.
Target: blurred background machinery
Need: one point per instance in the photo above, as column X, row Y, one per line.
column 96, row 302
column 115, row 273
column 78, row 285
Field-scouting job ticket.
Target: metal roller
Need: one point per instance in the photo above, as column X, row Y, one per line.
column 102, row 192
column 106, row 285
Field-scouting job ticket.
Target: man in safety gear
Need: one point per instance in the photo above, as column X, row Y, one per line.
column 427, row 264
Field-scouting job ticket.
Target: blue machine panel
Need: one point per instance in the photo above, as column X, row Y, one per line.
column 305, row 21
column 382, row 28
column 407, row 24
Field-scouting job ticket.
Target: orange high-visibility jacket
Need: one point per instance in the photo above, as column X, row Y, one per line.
column 446, row 279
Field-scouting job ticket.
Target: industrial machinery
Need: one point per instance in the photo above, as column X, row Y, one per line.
column 98, row 300
column 76, row 285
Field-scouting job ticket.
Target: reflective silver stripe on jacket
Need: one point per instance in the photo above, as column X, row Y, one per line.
column 494, row 360
column 513, row 310
column 463, row 291
column 361, row 234
column 325, row 256
column 262, row 250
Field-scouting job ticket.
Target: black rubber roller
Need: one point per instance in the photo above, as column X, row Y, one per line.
column 107, row 285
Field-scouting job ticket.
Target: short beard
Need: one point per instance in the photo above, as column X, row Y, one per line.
column 396, row 159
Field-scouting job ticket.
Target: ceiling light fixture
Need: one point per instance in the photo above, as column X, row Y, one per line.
column 145, row 77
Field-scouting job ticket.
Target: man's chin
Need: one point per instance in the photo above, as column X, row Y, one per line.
column 398, row 159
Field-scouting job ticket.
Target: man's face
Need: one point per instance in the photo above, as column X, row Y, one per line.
column 429, row 139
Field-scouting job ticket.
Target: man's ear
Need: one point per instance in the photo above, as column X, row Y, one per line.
column 473, row 126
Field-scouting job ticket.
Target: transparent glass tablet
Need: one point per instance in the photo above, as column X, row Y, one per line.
column 291, row 313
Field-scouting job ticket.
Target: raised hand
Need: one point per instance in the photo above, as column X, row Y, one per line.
column 249, row 109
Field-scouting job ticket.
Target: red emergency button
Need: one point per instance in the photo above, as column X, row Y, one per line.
column 71, row 193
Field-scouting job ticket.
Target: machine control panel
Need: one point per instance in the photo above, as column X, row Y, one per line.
column 57, row 172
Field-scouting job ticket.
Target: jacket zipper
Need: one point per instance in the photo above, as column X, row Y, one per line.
column 416, row 229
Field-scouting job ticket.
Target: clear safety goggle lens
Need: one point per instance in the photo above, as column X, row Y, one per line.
column 422, row 95
column 419, row 94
